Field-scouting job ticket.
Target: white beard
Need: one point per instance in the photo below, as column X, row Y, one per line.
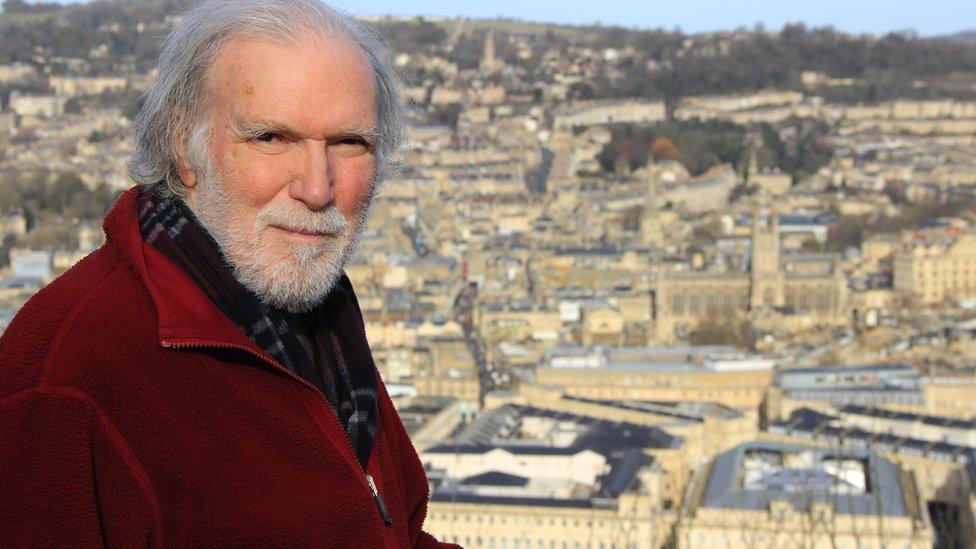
column 292, row 276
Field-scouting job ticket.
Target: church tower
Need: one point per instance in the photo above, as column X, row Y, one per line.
column 652, row 234
column 753, row 168
column 489, row 64
column 766, row 276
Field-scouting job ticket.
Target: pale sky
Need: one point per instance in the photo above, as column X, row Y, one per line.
column 927, row 17
column 932, row 17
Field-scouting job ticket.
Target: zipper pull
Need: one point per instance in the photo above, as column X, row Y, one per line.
column 387, row 519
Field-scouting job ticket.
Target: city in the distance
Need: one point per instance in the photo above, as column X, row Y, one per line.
column 629, row 287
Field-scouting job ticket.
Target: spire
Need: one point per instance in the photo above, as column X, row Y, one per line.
column 651, row 230
column 489, row 63
column 767, row 285
column 753, row 166
column 754, row 143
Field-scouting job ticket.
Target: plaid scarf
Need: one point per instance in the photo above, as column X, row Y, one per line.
column 327, row 346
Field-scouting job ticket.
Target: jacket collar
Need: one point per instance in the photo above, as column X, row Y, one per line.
column 185, row 315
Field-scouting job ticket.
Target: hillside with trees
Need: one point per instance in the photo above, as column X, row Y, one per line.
column 659, row 63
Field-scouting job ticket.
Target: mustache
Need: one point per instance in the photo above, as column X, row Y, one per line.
column 329, row 221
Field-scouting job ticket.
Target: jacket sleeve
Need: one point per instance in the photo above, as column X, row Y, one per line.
column 67, row 477
column 416, row 487
column 418, row 507
column 427, row 541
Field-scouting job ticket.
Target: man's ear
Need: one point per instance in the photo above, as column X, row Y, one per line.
column 184, row 168
column 188, row 176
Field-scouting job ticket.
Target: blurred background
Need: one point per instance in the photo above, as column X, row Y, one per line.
column 689, row 275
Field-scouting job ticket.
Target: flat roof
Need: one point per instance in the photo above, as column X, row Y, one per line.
column 807, row 423
column 938, row 421
column 882, row 496
column 451, row 496
column 622, row 444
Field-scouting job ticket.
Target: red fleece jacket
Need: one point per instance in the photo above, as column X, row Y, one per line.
column 133, row 413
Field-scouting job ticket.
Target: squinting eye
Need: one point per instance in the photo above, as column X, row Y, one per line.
column 266, row 137
column 355, row 145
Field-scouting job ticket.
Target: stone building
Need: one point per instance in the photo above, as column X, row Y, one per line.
column 670, row 186
column 664, row 374
column 520, row 476
column 821, row 388
column 937, row 451
column 772, row 494
column 71, row 86
column 798, row 286
column 609, row 112
column 931, row 268
column 772, row 181
column 42, row 106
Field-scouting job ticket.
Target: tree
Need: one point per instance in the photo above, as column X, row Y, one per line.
column 626, row 155
column 65, row 191
column 65, row 196
column 737, row 333
column 413, row 36
column 699, row 145
column 52, row 233
column 663, row 148
column 847, row 232
column 20, row 6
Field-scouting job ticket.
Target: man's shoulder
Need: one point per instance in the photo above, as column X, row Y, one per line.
column 83, row 308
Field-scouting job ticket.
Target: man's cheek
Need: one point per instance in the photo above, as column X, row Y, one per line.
column 264, row 178
column 355, row 177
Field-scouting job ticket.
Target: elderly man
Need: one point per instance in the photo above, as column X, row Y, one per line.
column 204, row 378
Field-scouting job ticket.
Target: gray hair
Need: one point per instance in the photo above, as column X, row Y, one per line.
column 175, row 98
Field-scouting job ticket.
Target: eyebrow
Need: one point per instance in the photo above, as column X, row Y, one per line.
column 254, row 128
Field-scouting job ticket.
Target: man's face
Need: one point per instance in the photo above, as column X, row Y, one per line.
column 290, row 172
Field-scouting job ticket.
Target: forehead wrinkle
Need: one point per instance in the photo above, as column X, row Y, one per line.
column 237, row 70
column 278, row 103
column 287, row 111
column 258, row 125
column 261, row 125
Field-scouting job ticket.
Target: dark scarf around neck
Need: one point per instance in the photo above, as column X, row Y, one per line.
column 327, row 346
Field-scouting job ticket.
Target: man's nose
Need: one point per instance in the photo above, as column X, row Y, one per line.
column 314, row 186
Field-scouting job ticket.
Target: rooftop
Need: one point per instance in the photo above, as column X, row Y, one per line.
column 689, row 411
column 502, row 428
column 908, row 416
column 876, row 376
column 613, row 452
column 810, row 424
column 654, row 359
column 754, row 474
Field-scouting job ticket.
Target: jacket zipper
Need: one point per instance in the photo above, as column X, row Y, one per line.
column 387, row 519
column 369, row 482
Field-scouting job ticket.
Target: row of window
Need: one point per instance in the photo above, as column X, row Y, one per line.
column 804, row 301
column 755, row 539
column 628, row 392
column 714, row 304
column 512, row 543
column 524, row 519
